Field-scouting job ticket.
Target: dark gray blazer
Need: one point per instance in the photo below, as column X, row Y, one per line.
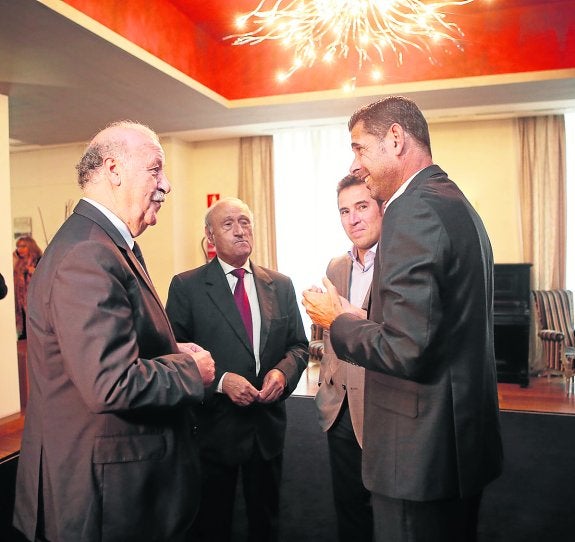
column 431, row 413
column 201, row 309
column 107, row 450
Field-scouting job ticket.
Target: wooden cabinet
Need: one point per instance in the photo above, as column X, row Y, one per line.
column 512, row 321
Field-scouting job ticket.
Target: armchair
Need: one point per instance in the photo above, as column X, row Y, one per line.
column 316, row 344
column 555, row 312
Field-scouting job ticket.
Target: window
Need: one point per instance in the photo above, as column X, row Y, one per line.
column 308, row 164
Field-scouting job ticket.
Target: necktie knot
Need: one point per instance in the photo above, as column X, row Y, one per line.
column 239, row 273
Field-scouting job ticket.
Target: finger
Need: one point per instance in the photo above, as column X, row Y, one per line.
column 314, row 288
column 332, row 292
column 330, row 288
column 268, row 396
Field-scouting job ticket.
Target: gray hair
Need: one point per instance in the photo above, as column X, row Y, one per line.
column 227, row 199
column 109, row 142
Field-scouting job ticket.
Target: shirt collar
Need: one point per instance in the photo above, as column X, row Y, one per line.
column 369, row 256
column 229, row 268
column 401, row 189
column 118, row 223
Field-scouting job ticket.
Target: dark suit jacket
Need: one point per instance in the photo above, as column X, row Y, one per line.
column 334, row 374
column 431, row 414
column 201, row 309
column 107, row 447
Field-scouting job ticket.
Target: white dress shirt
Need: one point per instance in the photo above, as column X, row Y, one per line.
column 361, row 275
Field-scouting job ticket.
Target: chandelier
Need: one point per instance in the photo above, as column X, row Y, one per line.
column 327, row 29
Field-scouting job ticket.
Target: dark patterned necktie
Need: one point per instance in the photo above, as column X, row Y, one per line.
column 138, row 253
column 242, row 301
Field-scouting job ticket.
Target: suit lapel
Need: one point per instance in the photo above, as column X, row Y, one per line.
column 347, row 278
column 266, row 296
column 218, row 290
column 89, row 211
column 341, row 273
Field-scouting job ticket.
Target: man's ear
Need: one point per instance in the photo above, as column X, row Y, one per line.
column 398, row 137
column 111, row 167
column 209, row 235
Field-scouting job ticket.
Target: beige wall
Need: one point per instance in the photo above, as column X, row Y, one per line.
column 195, row 170
column 481, row 156
column 44, row 180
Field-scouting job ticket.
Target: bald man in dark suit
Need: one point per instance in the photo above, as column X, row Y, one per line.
column 108, row 451
column 259, row 360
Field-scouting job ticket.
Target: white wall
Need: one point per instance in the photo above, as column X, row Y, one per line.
column 9, row 389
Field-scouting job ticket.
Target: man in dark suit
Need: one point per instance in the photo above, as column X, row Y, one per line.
column 340, row 396
column 108, row 452
column 431, row 435
column 259, row 361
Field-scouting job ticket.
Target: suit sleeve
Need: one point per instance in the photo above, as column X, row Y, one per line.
column 179, row 312
column 104, row 321
column 295, row 358
column 397, row 339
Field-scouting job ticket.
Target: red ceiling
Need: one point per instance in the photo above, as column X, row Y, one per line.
column 501, row 37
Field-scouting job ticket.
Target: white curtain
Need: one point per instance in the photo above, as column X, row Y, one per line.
column 308, row 164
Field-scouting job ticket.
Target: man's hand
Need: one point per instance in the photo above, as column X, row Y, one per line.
column 239, row 390
column 348, row 307
column 323, row 307
column 189, row 348
column 273, row 386
column 204, row 361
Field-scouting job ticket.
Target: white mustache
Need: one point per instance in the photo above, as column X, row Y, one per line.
column 159, row 196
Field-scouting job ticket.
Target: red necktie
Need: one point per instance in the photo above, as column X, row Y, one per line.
column 242, row 301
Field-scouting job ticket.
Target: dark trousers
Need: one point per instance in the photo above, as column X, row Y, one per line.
column 260, row 488
column 352, row 500
column 452, row 520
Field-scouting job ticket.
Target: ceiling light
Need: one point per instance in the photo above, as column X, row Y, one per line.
column 324, row 29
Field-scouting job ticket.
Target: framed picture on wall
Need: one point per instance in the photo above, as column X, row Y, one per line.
column 22, row 225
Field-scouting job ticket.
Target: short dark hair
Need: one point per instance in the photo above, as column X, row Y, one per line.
column 347, row 181
column 378, row 117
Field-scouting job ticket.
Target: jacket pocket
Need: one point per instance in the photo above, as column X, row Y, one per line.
column 400, row 401
column 128, row 448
